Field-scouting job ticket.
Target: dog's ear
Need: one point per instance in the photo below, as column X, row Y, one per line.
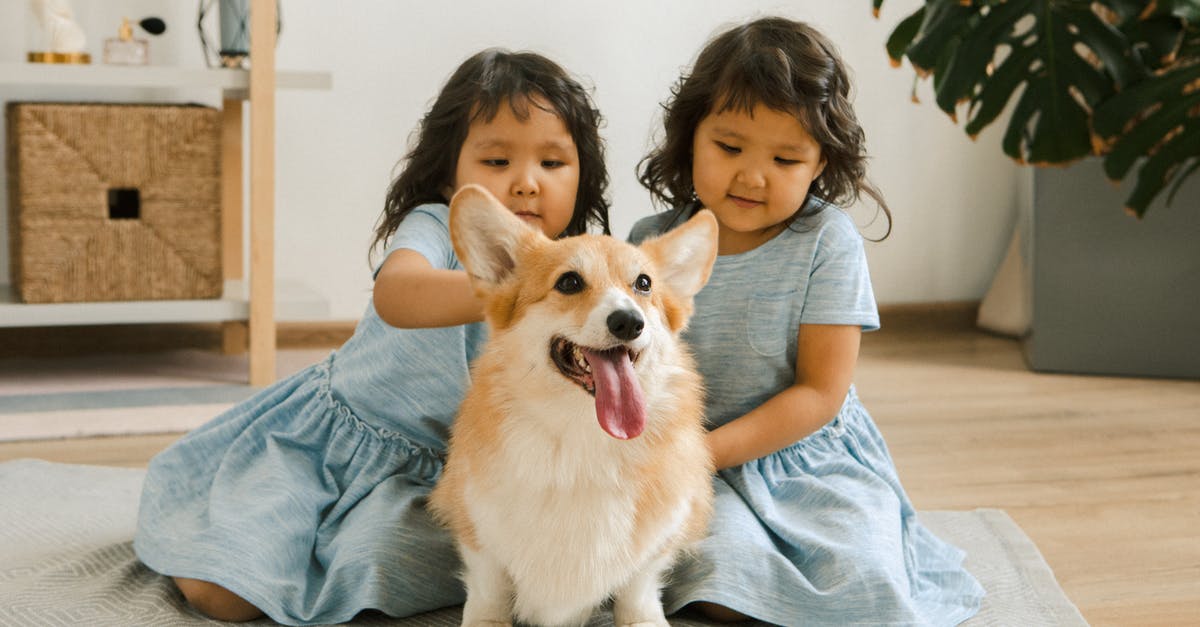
column 486, row 235
column 686, row 254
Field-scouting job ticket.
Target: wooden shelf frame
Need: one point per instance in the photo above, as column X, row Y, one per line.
column 262, row 192
column 247, row 305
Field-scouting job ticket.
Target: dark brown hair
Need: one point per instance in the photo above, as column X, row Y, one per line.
column 485, row 82
column 784, row 65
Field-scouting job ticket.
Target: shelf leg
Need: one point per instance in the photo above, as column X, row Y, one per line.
column 262, row 192
column 234, row 336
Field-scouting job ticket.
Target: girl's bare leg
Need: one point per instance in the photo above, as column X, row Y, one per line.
column 718, row 613
column 216, row 602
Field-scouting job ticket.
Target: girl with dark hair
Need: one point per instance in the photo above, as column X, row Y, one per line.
column 306, row 502
column 811, row 525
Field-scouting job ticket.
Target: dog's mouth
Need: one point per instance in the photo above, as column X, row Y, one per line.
column 606, row 374
column 571, row 360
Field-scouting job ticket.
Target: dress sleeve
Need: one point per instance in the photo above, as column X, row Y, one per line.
column 426, row 229
column 644, row 229
column 839, row 288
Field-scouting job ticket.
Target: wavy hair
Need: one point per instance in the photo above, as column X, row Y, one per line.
column 784, row 65
column 476, row 90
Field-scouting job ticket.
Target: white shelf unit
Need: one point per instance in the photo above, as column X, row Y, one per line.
column 253, row 304
column 293, row 301
column 233, row 83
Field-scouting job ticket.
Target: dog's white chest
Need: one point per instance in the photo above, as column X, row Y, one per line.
column 576, row 542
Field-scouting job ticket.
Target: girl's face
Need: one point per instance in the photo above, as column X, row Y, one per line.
column 532, row 165
column 753, row 171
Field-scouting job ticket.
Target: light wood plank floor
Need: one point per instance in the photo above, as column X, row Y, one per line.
column 1103, row 473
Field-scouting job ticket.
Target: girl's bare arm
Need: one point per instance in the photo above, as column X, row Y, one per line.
column 410, row 293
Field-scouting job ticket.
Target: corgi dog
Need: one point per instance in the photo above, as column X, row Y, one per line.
column 577, row 467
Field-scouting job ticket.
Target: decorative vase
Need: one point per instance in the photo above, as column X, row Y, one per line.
column 1113, row 295
column 233, row 28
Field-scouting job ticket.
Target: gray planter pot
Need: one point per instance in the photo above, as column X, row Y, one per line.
column 1113, row 295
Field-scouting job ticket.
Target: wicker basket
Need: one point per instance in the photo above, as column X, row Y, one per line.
column 114, row 202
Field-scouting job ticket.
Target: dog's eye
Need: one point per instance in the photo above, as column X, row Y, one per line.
column 569, row 283
column 642, row 284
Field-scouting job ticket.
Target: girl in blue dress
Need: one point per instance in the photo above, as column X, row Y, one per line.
column 811, row 524
column 307, row 501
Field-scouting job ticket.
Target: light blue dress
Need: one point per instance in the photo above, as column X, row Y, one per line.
column 821, row 532
column 308, row 499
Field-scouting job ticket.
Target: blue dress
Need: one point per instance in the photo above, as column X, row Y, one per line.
column 821, row 532
column 308, row 499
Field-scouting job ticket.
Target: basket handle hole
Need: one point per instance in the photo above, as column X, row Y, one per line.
column 124, row 203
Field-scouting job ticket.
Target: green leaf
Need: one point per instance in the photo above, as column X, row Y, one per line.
column 939, row 70
column 1016, row 135
column 1183, row 175
column 1188, row 10
column 1060, row 134
column 1170, row 113
column 1109, row 44
column 977, row 50
column 1157, row 38
column 998, row 90
column 1125, row 9
column 903, row 35
column 1156, row 172
column 1168, row 87
column 940, row 32
column 1143, row 117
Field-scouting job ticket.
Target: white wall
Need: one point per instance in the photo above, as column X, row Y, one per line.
column 954, row 201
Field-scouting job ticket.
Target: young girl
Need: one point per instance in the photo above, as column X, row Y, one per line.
column 811, row 524
column 307, row 501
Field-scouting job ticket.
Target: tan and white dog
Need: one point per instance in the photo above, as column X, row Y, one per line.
column 577, row 468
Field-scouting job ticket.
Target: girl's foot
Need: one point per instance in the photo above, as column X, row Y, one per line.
column 216, row 602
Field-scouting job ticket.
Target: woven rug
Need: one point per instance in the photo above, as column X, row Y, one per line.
column 124, row 394
column 66, row 558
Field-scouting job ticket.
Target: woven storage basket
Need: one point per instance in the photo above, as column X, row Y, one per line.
column 114, row 202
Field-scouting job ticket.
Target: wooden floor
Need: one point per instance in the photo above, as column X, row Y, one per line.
column 1103, row 473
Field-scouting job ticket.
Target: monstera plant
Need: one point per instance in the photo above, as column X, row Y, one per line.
column 1116, row 78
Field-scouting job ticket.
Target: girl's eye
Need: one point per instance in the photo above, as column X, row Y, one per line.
column 642, row 284
column 498, row 163
column 729, row 149
column 550, row 165
column 569, row 283
column 782, row 161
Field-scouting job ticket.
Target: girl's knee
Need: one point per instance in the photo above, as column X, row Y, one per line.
column 216, row 602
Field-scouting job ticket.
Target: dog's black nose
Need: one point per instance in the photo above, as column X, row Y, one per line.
column 626, row 324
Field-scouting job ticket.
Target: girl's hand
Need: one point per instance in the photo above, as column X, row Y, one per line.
column 825, row 361
column 410, row 293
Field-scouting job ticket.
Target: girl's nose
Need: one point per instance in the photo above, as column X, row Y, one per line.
column 525, row 184
column 751, row 177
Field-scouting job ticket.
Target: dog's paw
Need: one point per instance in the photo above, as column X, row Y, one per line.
column 488, row 623
column 654, row 623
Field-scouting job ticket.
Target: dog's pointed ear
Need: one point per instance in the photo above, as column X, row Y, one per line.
column 486, row 235
column 686, row 254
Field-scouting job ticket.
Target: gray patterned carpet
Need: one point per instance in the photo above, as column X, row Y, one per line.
column 66, row 559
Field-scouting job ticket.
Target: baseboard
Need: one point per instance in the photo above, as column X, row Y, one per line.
column 142, row 338
column 941, row 315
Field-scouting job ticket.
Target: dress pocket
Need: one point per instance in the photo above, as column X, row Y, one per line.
column 766, row 322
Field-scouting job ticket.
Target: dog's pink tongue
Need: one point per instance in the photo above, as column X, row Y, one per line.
column 620, row 406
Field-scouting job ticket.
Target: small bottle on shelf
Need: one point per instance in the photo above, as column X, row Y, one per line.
column 125, row 50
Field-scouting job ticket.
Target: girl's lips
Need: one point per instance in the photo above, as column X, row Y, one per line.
column 744, row 203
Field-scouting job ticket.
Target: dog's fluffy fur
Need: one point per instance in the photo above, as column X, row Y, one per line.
column 559, row 495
